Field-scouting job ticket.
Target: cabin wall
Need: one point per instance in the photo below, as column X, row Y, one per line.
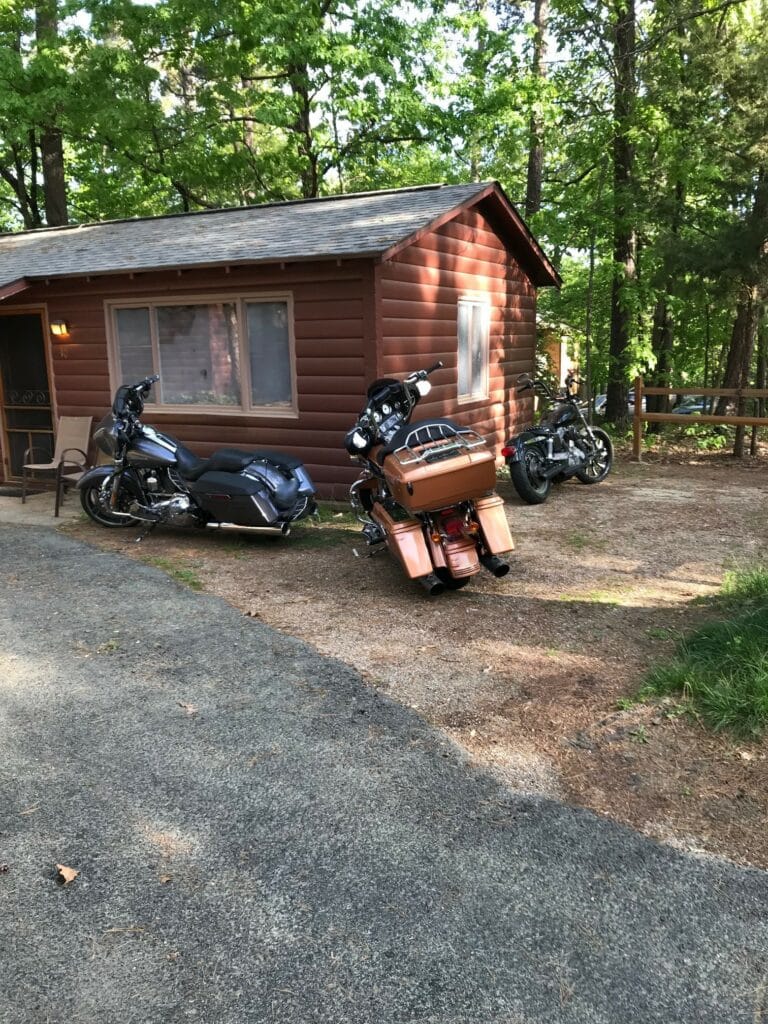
column 419, row 290
column 334, row 327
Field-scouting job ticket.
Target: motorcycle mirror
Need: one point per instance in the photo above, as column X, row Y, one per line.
column 423, row 387
column 524, row 378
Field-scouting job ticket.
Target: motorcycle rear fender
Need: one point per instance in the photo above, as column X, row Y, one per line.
column 514, row 448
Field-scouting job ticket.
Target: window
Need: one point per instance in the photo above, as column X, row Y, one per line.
column 232, row 354
column 474, row 328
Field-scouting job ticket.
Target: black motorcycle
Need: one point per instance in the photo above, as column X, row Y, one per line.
column 154, row 479
column 562, row 445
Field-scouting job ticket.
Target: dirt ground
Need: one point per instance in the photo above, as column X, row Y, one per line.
column 530, row 673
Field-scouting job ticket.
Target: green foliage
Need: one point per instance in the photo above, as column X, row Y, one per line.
column 183, row 104
column 722, row 668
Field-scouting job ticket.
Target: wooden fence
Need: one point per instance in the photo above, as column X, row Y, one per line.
column 641, row 417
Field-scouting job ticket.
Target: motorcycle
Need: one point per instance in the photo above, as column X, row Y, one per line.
column 154, row 479
column 562, row 445
column 426, row 491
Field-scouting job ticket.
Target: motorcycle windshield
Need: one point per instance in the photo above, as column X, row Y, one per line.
column 105, row 435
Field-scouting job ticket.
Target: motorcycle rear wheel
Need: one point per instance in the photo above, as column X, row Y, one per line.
column 532, row 488
column 598, row 468
column 90, row 499
column 451, row 583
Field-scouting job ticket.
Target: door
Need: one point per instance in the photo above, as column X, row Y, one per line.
column 25, row 393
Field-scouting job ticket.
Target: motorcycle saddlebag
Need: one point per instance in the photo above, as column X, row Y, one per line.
column 235, row 498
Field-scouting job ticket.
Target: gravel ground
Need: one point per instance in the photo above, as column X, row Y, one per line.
column 525, row 672
column 262, row 837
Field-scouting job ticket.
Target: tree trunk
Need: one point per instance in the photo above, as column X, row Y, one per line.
column 51, row 142
column 740, row 357
column 536, row 125
column 661, row 343
column 310, row 181
column 624, row 236
column 760, row 376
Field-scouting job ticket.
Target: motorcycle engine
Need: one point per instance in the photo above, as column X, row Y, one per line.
column 170, row 510
column 571, row 442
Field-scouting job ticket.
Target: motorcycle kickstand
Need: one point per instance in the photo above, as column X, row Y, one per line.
column 145, row 532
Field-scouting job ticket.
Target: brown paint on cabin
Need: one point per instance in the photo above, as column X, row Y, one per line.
column 354, row 320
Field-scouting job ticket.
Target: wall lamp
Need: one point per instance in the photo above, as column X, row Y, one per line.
column 59, row 328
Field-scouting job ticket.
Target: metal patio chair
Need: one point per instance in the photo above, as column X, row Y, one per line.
column 70, row 456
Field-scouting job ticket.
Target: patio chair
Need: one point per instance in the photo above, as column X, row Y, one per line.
column 70, row 456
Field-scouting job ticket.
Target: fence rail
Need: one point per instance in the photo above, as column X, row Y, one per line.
column 641, row 417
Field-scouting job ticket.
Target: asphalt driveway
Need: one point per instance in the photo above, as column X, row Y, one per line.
column 261, row 837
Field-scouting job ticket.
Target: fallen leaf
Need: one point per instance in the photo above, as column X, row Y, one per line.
column 30, row 810
column 4, row 869
column 164, row 879
column 66, row 874
column 745, row 755
column 191, row 709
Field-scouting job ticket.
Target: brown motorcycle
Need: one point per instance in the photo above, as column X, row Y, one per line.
column 427, row 489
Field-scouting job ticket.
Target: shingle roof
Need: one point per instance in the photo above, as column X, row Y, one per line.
column 362, row 224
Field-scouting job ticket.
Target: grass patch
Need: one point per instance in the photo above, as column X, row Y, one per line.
column 582, row 541
column 180, row 573
column 721, row 669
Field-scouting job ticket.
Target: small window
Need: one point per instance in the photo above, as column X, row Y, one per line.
column 234, row 354
column 474, row 329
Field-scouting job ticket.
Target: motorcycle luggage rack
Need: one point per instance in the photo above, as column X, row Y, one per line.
column 432, row 449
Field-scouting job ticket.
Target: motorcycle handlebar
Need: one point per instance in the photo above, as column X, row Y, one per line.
column 423, row 374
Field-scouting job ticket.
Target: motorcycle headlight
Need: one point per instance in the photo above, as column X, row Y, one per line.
column 423, row 387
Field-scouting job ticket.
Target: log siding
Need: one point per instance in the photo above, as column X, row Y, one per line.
column 420, row 292
column 332, row 323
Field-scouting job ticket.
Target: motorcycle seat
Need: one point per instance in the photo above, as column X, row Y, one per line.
column 418, row 433
column 230, row 460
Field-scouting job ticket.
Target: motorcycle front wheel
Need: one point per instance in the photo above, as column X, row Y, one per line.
column 600, row 464
column 95, row 508
column 526, row 476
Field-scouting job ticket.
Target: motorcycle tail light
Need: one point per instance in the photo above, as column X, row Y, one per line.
column 453, row 526
column 508, row 450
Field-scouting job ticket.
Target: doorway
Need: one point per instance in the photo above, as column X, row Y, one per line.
column 25, row 392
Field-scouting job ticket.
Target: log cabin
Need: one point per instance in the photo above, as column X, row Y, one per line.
column 267, row 323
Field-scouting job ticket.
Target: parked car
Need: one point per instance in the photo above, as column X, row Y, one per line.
column 690, row 405
column 601, row 401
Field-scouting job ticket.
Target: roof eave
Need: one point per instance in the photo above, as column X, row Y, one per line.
column 210, row 265
column 11, row 288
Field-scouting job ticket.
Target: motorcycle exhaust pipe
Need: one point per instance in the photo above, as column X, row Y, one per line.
column 495, row 565
column 282, row 530
column 432, row 584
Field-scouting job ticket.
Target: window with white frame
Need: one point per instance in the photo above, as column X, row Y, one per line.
column 233, row 353
column 474, row 332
